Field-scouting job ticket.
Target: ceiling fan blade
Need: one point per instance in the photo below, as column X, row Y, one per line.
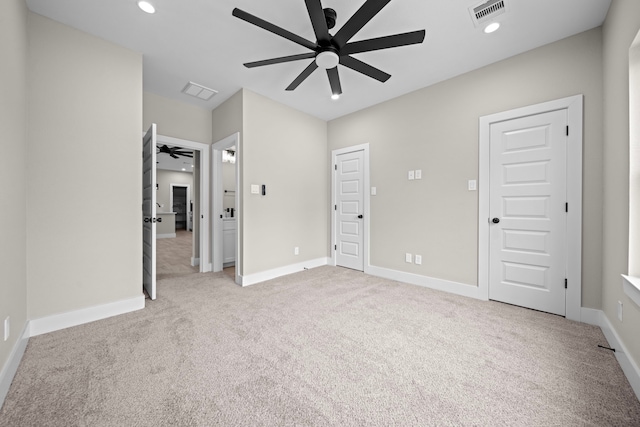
column 358, row 20
column 334, row 81
column 366, row 69
column 280, row 60
column 318, row 20
column 173, row 155
column 272, row 28
column 305, row 73
column 386, row 42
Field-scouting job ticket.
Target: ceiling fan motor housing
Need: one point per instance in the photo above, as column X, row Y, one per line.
column 330, row 15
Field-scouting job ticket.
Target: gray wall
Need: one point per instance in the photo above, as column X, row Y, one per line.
column 85, row 116
column 176, row 119
column 286, row 150
column 164, row 179
column 13, row 142
column 436, row 129
column 619, row 30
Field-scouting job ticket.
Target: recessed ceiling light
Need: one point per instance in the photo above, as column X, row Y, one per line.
column 491, row 27
column 146, row 7
column 183, row 169
column 335, row 96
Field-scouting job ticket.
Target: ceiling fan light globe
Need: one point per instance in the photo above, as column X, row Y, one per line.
column 327, row 60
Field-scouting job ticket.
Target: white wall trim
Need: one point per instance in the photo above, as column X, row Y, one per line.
column 629, row 367
column 166, row 236
column 263, row 276
column 205, row 167
column 574, row 106
column 195, row 262
column 11, row 365
column 218, row 192
column 56, row 322
column 426, row 281
column 631, row 288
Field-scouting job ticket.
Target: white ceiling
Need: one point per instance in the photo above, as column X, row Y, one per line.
column 200, row 41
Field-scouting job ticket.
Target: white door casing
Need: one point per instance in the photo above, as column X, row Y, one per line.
column 350, row 220
column 572, row 107
column 527, row 209
column 149, row 211
column 204, row 249
column 218, row 193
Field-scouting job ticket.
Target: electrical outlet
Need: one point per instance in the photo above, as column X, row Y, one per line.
column 7, row 328
column 418, row 259
column 620, row 311
column 296, row 251
column 407, row 257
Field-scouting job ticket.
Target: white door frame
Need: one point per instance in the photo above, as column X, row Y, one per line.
column 218, row 193
column 205, row 264
column 573, row 105
column 188, row 187
column 367, row 191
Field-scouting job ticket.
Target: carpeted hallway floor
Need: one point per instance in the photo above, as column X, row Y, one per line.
column 323, row 347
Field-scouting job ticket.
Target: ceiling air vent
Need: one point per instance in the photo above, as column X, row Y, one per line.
column 487, row 11
column 199, row 91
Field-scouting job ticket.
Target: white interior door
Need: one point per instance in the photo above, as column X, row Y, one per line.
column 349, row 210
column 528, row 158
column 149, row 211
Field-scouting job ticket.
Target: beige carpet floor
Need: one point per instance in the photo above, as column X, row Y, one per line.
column 323, row 347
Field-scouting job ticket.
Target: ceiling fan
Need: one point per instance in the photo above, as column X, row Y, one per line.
column 330, row 50
column 174, row 151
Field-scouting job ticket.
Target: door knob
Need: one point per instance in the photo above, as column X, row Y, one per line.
column 360, row 216
column 495, row 220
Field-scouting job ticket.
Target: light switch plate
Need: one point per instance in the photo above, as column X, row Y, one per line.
column 255, row 189
column 472, row 185
column 374, row 191
column 418, row 173
column 418, row 259
column 407, row 257
column 411, row 175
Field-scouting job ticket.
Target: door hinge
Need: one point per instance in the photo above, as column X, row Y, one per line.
column 565, row 283
column 567, row 130
column 335, row 247
column 335, row 167
column 566, row 207
column 335, row 207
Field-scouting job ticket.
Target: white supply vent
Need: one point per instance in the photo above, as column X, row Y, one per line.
column 199, row 91
column 487, row 11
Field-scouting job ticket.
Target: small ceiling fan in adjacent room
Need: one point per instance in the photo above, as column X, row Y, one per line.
column 330, row 50
column 174, row 151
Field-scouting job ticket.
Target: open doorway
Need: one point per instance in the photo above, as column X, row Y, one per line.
column 183, row 204
column 226, row 217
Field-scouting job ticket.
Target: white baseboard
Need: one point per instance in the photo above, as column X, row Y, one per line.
column 426, row 281
column 629, row 367
column 166, row 236
column 263, row 276
column 11, row 366
column 195, row 262
column 85, row 315
column 591, row 316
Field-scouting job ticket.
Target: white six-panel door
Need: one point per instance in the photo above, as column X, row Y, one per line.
column 528, row 158
column 349, row 210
